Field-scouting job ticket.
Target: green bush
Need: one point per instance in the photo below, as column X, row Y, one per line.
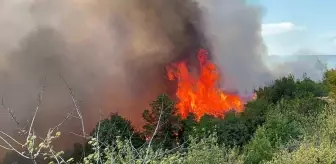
column 317, row 147
column 200, row 150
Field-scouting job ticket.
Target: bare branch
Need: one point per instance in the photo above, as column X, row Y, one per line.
column 75, row 105
column 39, row 101
column 11, row 138
column 12, row 148
column 35, row 113
column 4, row 147
column 11, row 113
column 65, row 120
column 155, row 131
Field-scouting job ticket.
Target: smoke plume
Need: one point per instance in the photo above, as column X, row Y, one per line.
column 113, row 53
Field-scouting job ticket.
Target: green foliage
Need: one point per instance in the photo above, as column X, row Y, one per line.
column 163, row 121
column 207, row 150
column 318, row 146
column 254, row 113
column 290, row 88
column 200, row 150
column 108, row 129
column 260, row 148
column 281, row 127
column 107, row 132
column 188, row 127
column 329, row 80
column 232, row 131
column 286, row 121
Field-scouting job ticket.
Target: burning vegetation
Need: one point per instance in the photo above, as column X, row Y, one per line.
column 201, row 94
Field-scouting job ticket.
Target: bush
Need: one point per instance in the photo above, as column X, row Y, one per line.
column 200, row 150
column 317, row 147
column 329, row 80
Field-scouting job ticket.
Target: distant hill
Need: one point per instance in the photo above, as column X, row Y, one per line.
column 330, row 60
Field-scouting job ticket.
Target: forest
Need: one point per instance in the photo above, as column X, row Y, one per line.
column 291, row 121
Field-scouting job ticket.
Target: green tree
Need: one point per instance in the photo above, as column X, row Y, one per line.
column 329, row 79
column 108, row 130
column 232, row 130
column 259, row 149
column 188, row 127
column 290, row 88
column 286, row 121
column 163, row 123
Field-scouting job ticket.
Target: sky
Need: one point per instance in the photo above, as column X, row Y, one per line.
column 299, row 27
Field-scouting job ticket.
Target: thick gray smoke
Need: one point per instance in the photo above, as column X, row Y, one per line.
column 113, row 52
column 233, row 31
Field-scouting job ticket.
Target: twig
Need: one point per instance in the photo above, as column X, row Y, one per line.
column 11, row 113
column 53, row 154
column 65, row 120
column 4, row 147
column 79, row 135
column 12, row 148
column 11, row 138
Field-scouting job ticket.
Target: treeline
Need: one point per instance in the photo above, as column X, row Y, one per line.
column 291, row 121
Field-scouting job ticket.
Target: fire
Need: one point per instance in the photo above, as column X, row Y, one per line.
column 201, row 95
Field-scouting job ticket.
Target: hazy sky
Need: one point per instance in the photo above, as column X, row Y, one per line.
column 299, row 26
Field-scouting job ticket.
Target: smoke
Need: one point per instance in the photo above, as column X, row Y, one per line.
column 234, row 32
column 112, row 53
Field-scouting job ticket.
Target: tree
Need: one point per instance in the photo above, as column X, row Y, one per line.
column 329, row 80
column 290, row 88
column 163, row 125
column 233, row 131
column 108, row 130
column 188, row 127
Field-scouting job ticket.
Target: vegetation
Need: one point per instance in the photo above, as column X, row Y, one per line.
column 291, row 121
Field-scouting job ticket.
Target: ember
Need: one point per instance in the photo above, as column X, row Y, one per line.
column 201, row 95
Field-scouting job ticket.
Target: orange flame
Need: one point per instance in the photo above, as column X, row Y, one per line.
column 201, row 95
